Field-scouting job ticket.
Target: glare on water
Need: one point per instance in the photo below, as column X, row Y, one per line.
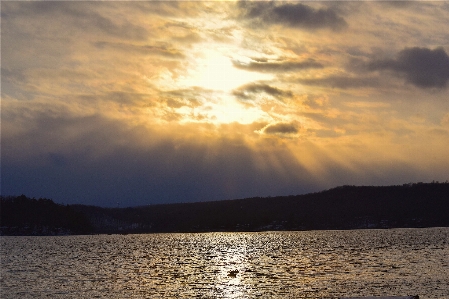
column 315, row 264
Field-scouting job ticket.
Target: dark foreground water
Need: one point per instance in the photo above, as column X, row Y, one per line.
column 314, row 264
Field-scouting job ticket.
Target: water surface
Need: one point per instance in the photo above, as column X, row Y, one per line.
column 313, row 264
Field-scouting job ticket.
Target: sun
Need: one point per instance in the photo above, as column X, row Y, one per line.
column 214, row 70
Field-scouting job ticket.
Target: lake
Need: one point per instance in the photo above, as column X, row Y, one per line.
column 305, row 264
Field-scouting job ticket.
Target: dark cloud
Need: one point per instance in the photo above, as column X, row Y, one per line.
column 295, row 15
column 57, row 159
column 245, row 91
column 277, row 66
column 280, row 128
column 10, row 79
column 422, row 67
column 98, row 161
column 343, row 82
column 93, row 160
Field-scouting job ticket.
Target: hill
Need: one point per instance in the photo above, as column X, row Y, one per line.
column 346, row 207
column 20, row 215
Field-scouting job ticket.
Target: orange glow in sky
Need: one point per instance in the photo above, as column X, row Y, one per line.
column 150, row 102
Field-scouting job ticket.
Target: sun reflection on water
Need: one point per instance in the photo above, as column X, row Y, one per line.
column 231, row 260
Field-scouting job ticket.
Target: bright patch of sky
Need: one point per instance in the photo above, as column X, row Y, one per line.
column 167, row 101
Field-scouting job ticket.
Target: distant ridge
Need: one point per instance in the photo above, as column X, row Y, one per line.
column 345, row 207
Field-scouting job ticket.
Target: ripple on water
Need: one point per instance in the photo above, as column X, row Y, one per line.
column 316, row 264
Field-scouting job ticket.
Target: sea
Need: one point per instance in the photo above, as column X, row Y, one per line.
column 298, row 264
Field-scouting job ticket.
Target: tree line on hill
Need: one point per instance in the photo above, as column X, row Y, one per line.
column 345, row 207
column 20, row 215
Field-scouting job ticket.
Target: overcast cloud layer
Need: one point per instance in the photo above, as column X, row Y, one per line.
column 135, row 103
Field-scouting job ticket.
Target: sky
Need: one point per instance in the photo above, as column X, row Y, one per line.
column 136, row 103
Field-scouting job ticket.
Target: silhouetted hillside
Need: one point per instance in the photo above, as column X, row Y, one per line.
column 346, row 207
column 20, row 215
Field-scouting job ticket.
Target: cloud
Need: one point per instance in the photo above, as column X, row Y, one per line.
column 192, row 97
column 280, row 129
column 296, row 15
column 96, row 160
column 245, row 91
column 86, row 16
column 445, row 120
column 277, row 66
column 422, row 67
column 164, row 8
column 343, row 82
column 164, row 50
column 98, row 104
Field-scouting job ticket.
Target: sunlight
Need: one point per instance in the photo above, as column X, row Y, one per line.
column 228, row 110
column 223, row 110
column 214, row 70
column 232, row 257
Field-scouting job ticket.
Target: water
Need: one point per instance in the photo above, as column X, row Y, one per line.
column 314, row 264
